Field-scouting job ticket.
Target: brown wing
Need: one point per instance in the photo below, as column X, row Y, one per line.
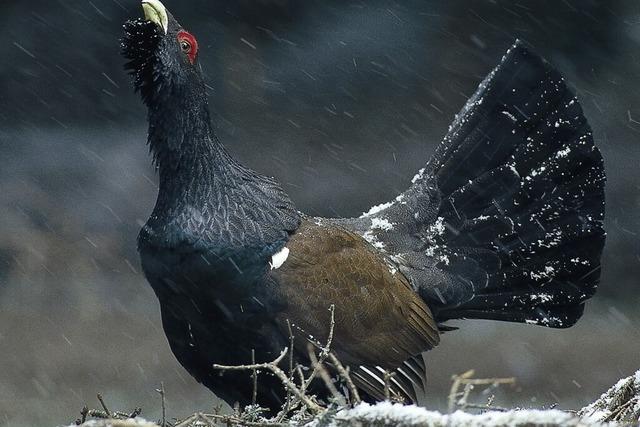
column 379, row 320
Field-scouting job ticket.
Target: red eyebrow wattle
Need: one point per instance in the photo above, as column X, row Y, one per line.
column 185, row 35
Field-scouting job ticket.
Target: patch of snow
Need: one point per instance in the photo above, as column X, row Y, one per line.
column 541, row 298
column 377, row 208
column 131, row 422
column 564, row 152
column 381, row 224
column 437, row 228
column 537, row 172
column 431, row 250
column 511, row 116
column 395, row 414
column 561, row 122
column 579, row 261
column 547, row 273
column 625, row 392
column 371, row 238
column 552, row 239
column 418, row 176
column 513, row 168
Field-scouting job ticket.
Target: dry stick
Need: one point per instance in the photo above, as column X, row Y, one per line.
column 106, row 410
column 324, row 352
column 387, row 384
column 287, row 406
column 105, row 413
column 198, row 417
column 328, row 382
column 290, row 358
column 344, row 373
column 619, row 411
column 210, row 420
column 83, row 415
column 489, row 381
column 123, row 415
column 135, row 412
column 485, row 407
column 96, row 413
column 164, row 408
column 466, row 380
column 301, row 377
column 465, row 395
column 254, row 378
column 457, row 380
column 273, row 367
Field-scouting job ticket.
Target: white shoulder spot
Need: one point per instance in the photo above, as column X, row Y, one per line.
column 279, row 258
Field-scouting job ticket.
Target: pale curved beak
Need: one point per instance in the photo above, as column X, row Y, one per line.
column 155, row 12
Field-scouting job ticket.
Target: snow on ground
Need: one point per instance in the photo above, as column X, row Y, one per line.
column 622, row 401
column 395, row 414
column 619, row 406
column 132, row 422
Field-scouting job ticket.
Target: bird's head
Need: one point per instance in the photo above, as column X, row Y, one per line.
column 162, row 56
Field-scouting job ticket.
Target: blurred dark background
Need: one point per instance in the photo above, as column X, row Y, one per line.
column 342, row 101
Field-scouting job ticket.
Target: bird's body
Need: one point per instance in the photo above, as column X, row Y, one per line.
column 379, row 319
column 504, row 222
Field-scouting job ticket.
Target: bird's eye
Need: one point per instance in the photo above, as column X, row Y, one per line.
column 185, row 46
column 188, row 45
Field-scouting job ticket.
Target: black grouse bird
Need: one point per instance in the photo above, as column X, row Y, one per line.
column 504, row 222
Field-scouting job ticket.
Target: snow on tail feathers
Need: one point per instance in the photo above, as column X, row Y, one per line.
column 505, row 222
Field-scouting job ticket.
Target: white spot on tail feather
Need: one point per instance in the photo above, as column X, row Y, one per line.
column 279, row 258
column 377, row 208
column 418, row 176
column 564, row 152
column 381, row 223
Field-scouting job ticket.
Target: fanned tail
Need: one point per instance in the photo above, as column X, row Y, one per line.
column 506, row 220
column 522, row 201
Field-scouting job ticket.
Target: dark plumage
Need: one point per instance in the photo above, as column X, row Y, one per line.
column 504, row 222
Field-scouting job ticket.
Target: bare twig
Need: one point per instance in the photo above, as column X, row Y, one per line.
column 210, row 421
column 287, row 406
column 104, row 406
column 324, row 375
column 83, row 415
column 300, row 374
column 198, row 417
column 465, row 379
column 282, row 376
column 324, row 350
column 254, row 378
column 485, row 407
column 291, row 339
column 164, row 407
column 387, row 384
column 465, row 395
column 344, row 373
column 96, row 413
column 617, row 413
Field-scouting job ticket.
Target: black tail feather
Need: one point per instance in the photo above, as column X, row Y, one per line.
column 506, row 220
column 522, row 187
